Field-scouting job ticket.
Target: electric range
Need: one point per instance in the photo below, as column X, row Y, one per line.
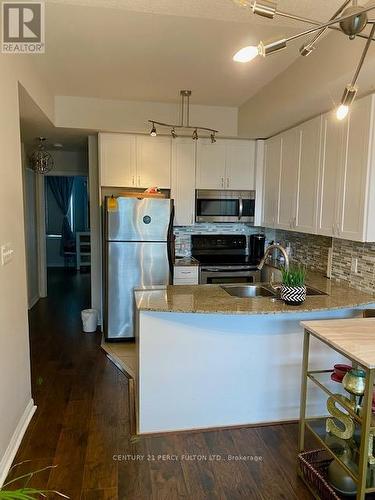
column 224, row 259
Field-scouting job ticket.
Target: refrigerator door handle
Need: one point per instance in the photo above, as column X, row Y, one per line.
column 170, row 244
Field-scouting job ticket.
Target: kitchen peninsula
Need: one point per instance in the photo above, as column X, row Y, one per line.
column 209, row 359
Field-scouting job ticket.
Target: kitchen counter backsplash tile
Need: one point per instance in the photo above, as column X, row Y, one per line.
column 306, row 249
column 183, row 233
column 344, row 252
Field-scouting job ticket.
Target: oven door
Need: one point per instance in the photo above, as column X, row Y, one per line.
column 217, row 276
column 225, row 206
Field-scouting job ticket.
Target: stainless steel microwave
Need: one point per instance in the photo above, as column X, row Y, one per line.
column 224, row 206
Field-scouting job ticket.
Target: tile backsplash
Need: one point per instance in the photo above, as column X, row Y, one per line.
column 345, row 255
column 307, row 249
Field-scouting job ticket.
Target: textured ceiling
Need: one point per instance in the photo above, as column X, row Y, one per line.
column 149, row 49
column 222, row 10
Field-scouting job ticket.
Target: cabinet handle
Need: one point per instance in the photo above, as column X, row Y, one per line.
column 222, row 182
column 227, row 182
column 139, row 181
column 133, row 181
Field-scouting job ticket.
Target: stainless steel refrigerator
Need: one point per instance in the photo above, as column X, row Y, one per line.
column 138, row 242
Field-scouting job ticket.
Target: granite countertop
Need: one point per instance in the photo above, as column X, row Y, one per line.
column 185, row 261
column 213, row 299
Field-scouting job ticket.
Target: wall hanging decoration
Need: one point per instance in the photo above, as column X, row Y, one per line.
column 350, row 19
column 41, row 161
column 184, row 123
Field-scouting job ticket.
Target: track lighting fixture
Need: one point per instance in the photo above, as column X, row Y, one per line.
column 184, row 120
column 153, row 130
column 350, row 19
column 213, row 138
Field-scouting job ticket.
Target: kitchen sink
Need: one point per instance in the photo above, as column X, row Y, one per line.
column 249, row 291
column 310, row 291
column 245, row 291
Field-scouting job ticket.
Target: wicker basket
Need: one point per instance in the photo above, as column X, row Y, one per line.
column 314, row 465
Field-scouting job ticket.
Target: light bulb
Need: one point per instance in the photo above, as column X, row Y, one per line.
column 342, row 112
column 246, row 54
column 153, row 131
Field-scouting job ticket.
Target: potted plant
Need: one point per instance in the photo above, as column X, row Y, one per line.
column 293, row 288
column 26, row 492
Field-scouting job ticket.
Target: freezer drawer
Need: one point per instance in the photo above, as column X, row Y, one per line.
column 130, row 265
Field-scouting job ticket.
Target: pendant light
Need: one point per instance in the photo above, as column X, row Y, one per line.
column 41, row 160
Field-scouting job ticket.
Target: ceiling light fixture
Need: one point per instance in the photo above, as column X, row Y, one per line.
column 184, row 119
column 41, row 160
column 153, row 132
column 213, row 138
column 351, row 20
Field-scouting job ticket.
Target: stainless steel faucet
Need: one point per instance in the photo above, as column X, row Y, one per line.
column 269, row 250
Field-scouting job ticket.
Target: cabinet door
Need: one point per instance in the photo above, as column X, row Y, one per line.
column 333, row 132
column 288, row 179
column 117, row 160
column 355, row 170
column 154, row 156
column 308, row 176
column 210, row 164
column 240, row 165
column 183, row 180
column 272, row 163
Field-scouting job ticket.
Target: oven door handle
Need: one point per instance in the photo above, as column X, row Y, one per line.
column 240, row 208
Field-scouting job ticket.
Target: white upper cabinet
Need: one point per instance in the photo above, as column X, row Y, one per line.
column 272, row 165
column 326, row 176
column 308, row 176
column 210, row 164
column 332, row 154
column 117, row 160
column 183, row 180
column 288, row 179
column 240, row 165
column 357, row 170
column 226, row 164
column 154, row 162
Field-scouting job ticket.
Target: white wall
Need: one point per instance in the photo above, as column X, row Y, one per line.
column 95, row 220
column 132, row 116
column 31, row 237
column 16, row 405
column 69, row 163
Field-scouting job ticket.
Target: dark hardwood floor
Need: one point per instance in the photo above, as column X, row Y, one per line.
column 82, row 426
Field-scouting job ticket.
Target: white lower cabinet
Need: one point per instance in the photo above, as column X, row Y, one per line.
column 186, row 275
column 183, row 180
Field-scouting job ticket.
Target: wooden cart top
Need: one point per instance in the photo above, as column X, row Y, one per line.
column 354, row 338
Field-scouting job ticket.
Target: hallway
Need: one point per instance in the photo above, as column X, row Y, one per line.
column 82, row 426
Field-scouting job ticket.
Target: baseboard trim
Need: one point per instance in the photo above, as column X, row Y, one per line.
column 10, row 452
column 33, row 301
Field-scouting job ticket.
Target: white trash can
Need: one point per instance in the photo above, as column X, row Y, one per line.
column 89, row 320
